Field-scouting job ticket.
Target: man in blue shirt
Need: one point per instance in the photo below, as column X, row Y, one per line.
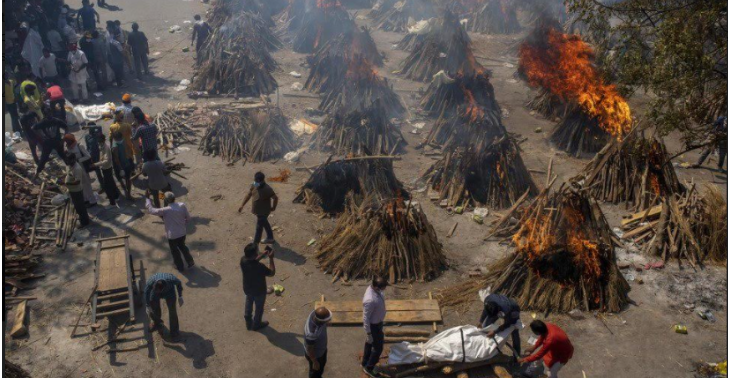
column 88, row 16
column 497, row 306
column 163, row 286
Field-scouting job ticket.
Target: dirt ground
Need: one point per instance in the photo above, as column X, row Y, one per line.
column 638, row 342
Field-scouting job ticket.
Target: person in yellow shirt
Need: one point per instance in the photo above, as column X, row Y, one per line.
column 119, row 126
column 32, row 100
column 9, row 105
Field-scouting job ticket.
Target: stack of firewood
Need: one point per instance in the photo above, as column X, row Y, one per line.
column 174, row 129
column 689, row 226
column 332, row 182
column 223, row 10
column 445, row 94
column 358, row 133
column 236, row 59
column 390, row 238
column 400, row 15
column 257, row 135
column 494, row 17
column 290, row 20
column 470, row 125
column 321, row 24
column 564, row 259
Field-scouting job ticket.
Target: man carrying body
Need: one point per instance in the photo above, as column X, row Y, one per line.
column 315, row 341
column 373, row 315
column 262, row 195
column 555, row 347
column 175, row 215
column 162, row 286
column 497, row 306
column 254, row 284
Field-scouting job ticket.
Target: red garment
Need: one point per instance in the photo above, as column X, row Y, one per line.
column 54, row 93
column 556, row 347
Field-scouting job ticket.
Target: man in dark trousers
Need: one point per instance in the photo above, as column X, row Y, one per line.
column 176, row 217
column 48, row 133
column 254, row 284
column 315, row 341
column 264, row 203
column 555, row 347
column 137, row 41
column 27, row 121
column 497, row 306
column 163, row 286
column 719, row 143
column 201, row 31
column 74, row 172
column 373, row 309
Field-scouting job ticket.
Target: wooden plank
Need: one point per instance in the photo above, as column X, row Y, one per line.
column 639, row 230
column 100, row 315
column 420, row 316
column 120, row 294
column 112, row 267
column 19, row 328
column 654, row 211
column 390, row 305
column 104, row 306
column 112, row 238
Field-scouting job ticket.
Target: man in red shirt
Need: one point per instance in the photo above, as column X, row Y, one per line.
column 57, row 102
column 555, row 347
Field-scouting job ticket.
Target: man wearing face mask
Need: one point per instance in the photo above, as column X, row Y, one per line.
column 315, row 341
column 264, row 203
column 175, row 215
column 373, row 315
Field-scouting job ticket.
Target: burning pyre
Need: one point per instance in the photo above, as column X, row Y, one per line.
column 358, row 133
column 446, row 94
column 404, row 13
column 445, row 47
column 564, row 259
column 291, row 19
column 223, row 10
column 494, row 17
column 562, row 66
column 257, row 135
column 330, row 185
column 321, row 24
column 236, row 60
column 390, row 238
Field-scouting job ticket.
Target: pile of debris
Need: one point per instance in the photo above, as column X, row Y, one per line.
column 494, row 17
column 562, row 66
column 564, row 260
column 361, row 89
column 236, row 59
column 633, row 170
column 330, row 63
column 258, row 135
column 686, row 226
column 333, row 182
column 445, row 47
column 320, row 25
column 398, row 16
column 358, row 133
column 389, row 238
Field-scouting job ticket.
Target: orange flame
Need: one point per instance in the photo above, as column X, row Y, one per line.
column 563, row 66
column 359, row 68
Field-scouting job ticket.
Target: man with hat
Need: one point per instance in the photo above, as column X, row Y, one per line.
column 315, row 341
column 175, row 216
column 77, row 61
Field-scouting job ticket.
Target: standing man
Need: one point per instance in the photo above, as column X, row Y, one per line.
column 101, row 51
column 201, row 31
column 77, row 61
column 373, row 314
column 57, row 47
column 718, row 134
column 555, row 347
column 88, row 17
column 146, row 131
column 74, row 173
column 137, row 40
column 106, row 166
column 263, row 196
column 497, row 306
column 156, row 176
column 163, row 286
column 47, row 67
column 47, row 133
column 315, row 341
column 175, row 215
column 116, row 61
column 254, row 284
column 9, row 102
column 57, row 102
column 123, row 164
column 27, row 121
column 91, row 140
column 32, row 100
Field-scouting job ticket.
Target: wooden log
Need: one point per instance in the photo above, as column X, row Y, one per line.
column 410, row 339
column 400, row 332
column 37, row 213
column 19, row 327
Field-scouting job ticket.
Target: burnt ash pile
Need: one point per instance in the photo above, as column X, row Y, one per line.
column 445, row 47
column 327, row 20
column 330, row 63
column 333, row 182
column 445, row 94
column 358, row 133
column 494, row 17
column 402, row 14
column 236, row 59
column 360, row 89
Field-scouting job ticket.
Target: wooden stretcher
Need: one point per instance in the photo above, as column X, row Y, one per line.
column 398, row 311
column 116, row 282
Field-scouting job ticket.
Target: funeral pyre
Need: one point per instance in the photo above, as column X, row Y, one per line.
column 493, row 17
column 398, row 16
column 320, row 24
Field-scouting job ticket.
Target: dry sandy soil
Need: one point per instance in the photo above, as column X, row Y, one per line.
column 638, row 342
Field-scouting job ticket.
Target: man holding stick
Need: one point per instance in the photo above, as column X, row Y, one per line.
column 254, row 284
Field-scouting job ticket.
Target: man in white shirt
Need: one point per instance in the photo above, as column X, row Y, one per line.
column 78, row 76
column 47, row 67
column 373, row 313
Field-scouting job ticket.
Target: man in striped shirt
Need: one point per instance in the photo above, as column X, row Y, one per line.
column 163, row 286
column 146, row 131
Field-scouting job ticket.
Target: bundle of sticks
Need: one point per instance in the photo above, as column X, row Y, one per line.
column 445, row 94
column 578, row 133
column 564, row 259
column 633, row 171
column 321, row 24
column 445, row 47
column 390, row 238
column 494, row 17
column 236, row 59
column 495, row 177
column 256, row 135
column 332, row 182
column 358, row 133
column 361, row 88
column 548, row 105
column 400, row 15
column 686, row 226
column 330, row 63
column 470, row 125
column 173, row 130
